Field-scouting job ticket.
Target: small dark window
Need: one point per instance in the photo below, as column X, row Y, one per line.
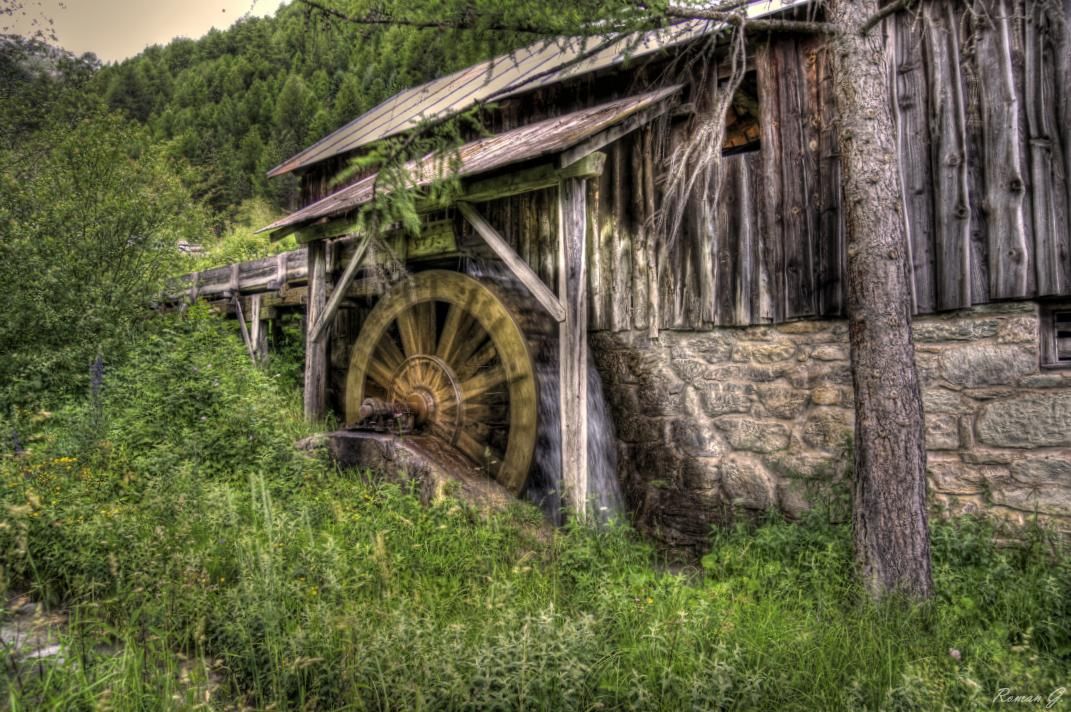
column 1056, row 335
column 1061, row 324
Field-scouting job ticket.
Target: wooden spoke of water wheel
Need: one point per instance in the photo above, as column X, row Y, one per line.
column 445, row 345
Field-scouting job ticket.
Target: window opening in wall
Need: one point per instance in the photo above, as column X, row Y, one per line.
column 1061, row 324
column 1056, row 335
column 742, row 118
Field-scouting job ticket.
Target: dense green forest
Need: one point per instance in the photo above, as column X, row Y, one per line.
column 235, row 103
column 158, row 522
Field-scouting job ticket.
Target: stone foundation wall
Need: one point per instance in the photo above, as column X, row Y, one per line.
column 710, row 424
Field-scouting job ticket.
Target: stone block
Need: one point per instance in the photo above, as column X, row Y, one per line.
column 815, row 373
column 942, row 432
column 764, row 352
column 782, row 401
column 695, row 371
column 747, row 483
column 943, row 400
column 1018, row 330
column 830, row 395
column 987, row 364
column 958, row 478
column 937, row 329
column 830, row 352
column 696, row 438
column 1027, row 421
column 752, row 434
column 809, row 326
column 724, row 398
column 1044, row 472
column 827, row 428
column 1046, row 380
column 791, row 500
column 702, row 475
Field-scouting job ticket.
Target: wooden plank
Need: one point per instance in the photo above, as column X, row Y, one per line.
column 948, row 160
column 636, row 232
column 751, row 270
column 832, row 235
column 315, row 395
column 600, row 231
column 1064, row 81
column 519, row 267
column 620, row 253
column 339, row 292
column 599, row 246
column 1011, row 272
column 1048, row 195
column 572, row 233
column 650, row 239
column 795, row 179
column 772, row 277
column 968, row 18
column 912, row 114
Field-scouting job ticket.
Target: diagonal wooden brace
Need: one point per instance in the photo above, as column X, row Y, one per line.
column 518, row 266
column 339, row 292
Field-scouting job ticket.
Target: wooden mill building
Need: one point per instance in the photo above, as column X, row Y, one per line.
column 723, row 351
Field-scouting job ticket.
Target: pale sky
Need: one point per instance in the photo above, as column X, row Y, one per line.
column 117, row 29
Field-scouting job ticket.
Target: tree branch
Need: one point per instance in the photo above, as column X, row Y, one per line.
column 890, row 9
column 375, row 19
column 741, row 19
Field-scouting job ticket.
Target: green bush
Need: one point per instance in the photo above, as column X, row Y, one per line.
column 90, row 215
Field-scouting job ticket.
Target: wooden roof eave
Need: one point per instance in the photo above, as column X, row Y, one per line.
column 581, row 159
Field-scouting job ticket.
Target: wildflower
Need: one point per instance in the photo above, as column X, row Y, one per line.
column 954, row 654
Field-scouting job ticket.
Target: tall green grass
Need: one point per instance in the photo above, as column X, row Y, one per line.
column 201, row 556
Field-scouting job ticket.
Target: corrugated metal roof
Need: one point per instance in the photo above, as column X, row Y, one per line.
column 521, row 144
column 538, row 65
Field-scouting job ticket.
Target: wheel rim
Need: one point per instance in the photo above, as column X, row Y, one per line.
column 446, row 345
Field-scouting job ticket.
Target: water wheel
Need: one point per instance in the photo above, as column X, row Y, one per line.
column 446, row 348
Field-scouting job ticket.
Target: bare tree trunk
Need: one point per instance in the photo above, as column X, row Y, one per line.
column 889, row 509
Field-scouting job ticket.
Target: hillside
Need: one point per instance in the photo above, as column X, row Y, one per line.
column 237, row 102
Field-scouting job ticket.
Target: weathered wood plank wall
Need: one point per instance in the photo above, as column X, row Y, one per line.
column 981, row 97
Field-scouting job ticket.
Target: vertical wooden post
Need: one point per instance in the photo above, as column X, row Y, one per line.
column 573, row 341
column 315, row 351
column 258, row 334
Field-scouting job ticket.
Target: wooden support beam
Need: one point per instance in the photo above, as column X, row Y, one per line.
column 244, row 328
column 315, row 351
column 546, row 175
column 573, row 345
column 339, row 291
column 518, row 266
column 604, row 138
column 257, row 334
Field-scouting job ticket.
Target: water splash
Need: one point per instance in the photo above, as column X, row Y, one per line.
column 605, row 500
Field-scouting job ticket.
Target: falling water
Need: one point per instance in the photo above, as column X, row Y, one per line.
column 544, row 489
column 605, row 501
column 604, row 490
